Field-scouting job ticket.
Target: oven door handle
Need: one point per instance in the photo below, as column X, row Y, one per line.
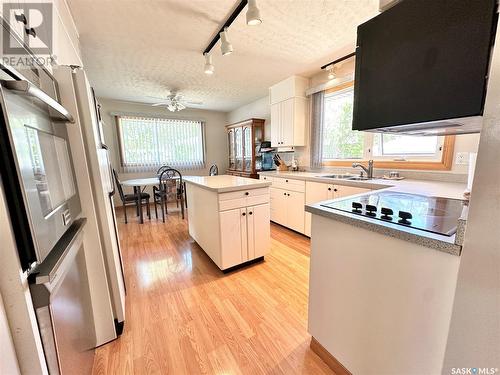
column 54, row 264
column 26, row 88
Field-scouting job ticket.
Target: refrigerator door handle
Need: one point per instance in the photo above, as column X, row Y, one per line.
column 27, row 88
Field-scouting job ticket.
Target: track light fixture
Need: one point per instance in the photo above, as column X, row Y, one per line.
column 209, row 67
column 331, row 73
column 253, row 13
column 252, row 17
column 225, row 47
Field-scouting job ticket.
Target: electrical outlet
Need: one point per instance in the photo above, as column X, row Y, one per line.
column 462, row 158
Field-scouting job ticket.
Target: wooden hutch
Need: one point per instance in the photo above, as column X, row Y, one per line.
column 244, row 139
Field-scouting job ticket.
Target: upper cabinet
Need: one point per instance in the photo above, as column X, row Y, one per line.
column 289, row 112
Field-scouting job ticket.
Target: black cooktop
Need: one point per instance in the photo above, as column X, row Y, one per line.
column 431, row 214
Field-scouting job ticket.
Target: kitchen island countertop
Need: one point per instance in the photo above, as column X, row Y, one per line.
column 225, row 183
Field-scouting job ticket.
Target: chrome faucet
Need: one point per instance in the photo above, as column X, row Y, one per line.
column 369, row 170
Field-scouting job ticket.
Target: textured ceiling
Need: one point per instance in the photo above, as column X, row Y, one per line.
column 136, row 49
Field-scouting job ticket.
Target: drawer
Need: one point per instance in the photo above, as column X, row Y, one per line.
column 243, row 194
column 266, row 178
column 251, row 200
column 290, row 184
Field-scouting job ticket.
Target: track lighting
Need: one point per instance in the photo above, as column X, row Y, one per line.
column 225, row 47
column 209, row 67
column 331, row 73
column 253, row 13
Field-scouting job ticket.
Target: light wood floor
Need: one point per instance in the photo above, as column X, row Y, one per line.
column 184, row 316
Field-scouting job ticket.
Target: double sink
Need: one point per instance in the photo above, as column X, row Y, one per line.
column 346, row 176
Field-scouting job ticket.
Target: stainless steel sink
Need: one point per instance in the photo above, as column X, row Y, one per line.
column 358, row 178
column 339, row 176
column 346, row 176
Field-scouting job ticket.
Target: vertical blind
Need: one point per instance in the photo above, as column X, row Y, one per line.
column 147, row 143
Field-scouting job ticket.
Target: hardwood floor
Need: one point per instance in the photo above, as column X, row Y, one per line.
column 184, row 316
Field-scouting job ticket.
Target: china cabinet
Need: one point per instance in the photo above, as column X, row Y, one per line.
column 244, row 140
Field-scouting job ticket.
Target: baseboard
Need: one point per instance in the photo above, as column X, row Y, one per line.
column 329, row 359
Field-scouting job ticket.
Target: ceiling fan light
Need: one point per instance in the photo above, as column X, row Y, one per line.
column 225, row 47
column 253, row 13
column 209, row 67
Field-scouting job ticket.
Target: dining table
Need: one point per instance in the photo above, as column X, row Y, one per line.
column 139, row 183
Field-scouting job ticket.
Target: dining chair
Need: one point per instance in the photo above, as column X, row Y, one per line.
column 130, row 199
column 170, row 184
column 214, row 170
column 161, row 169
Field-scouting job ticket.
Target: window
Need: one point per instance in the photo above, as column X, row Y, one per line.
column 403, row 147
column 147, row 143
column 341, row 144
column 339, row 140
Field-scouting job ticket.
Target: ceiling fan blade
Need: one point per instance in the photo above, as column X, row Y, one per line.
column 159, row 104
column 192, row 103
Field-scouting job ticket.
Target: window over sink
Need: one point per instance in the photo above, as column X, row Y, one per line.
column 341, row 145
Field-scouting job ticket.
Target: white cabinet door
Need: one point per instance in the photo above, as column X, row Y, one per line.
column 231, row 235
column 244, row 234
column 345, row 191
column 279, row 206
column 295, row 210
column 316, row 192
column 276, row 125
column 287, row 122
column 258, row 229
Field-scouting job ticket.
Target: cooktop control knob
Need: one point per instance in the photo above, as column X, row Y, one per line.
column 356, row 207
column 405, row 217
column 386, row 213
column 371, row 210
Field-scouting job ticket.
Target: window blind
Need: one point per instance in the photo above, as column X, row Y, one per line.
column 147, row 143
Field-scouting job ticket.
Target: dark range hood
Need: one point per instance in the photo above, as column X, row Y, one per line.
column 422, row 67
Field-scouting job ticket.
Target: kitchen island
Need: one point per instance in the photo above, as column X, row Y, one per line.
column 229, row 217
column 380, row 293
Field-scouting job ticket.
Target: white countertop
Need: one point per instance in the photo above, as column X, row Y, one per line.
column 225, row 183
column 422, row 187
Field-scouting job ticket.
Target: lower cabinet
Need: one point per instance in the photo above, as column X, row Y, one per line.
column 245, row 234
column 319, row 191
column 287, row 208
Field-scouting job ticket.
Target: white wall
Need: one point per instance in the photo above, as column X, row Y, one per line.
column 8, row 364
column 215, row 133
column 474, row 338
column 257, row 109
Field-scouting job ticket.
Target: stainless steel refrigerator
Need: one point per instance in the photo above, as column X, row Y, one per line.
column 77, row 94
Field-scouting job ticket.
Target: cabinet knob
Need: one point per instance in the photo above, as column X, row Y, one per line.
column 329, row 189
column 335, row 190
column 284, row 193
column 243, row 214
column 250, row 213
column 286, row 180
column 288, row 194
column 246, row 193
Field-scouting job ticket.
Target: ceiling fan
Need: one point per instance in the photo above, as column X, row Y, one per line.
column 174, row 102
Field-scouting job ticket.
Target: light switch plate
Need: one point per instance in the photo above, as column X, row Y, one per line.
column 462, row 158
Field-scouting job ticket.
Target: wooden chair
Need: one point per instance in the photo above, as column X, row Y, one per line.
column 214, row 170
column 130, row 199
